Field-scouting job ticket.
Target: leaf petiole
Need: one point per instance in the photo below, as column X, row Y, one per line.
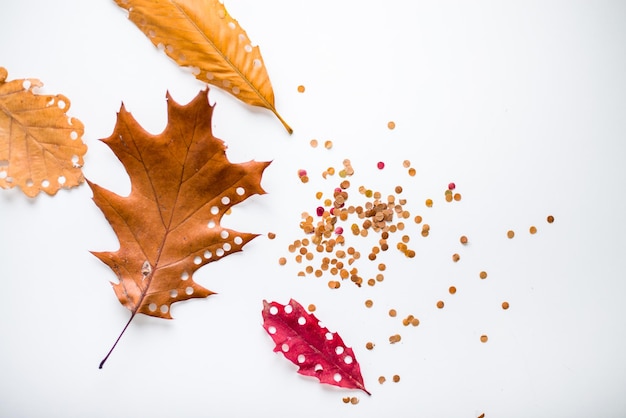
column 116, row 341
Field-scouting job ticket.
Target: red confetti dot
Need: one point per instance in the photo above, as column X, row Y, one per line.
column 339, row 230
column 319, row 211
column 380, row 165
column 451, row 186
column 301, row 172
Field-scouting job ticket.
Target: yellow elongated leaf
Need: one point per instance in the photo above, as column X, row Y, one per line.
column 40, row 147
column 202, row 35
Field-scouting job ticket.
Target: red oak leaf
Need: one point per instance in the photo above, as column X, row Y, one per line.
column 302, row 339
column 169, row 225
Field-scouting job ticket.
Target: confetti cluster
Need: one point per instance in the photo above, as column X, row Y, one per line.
column 330, row 247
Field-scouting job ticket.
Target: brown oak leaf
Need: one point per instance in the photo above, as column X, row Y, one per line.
column 41, row 148
column 169, row 226
column 202, row 35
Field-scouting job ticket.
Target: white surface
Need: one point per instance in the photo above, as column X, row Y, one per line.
column 522, row 104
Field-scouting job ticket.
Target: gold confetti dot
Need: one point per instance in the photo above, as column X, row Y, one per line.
column 391, row 125
column 333, row 284
column 396, row 378
column 395, row 338
column 301, row 89
column 505, row 305
column 328, row 145
column 369, row 303
column 550, row 219
column 282, row 261
column 311, row 308
column 455, row 257
column 412, row 172
column 392, row 313
column 452, row 290
column 510, row 234
column 484, row 338
column 406, row 164
column 532, row 230
column 369, row 345
column 314, row 143
column 346, row 399
column 354, row 400
column 440, row 304
column 381, row 379
column 483, row 275
column 463, row 239
column 429, row 203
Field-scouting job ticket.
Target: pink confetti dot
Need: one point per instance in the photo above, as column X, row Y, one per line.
column 301, row 172
column 380, row 165
column 339, row 230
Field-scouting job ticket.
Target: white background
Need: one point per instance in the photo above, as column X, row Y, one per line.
column 522, row 104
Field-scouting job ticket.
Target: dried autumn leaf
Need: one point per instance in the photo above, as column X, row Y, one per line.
column 40, row 146
column 302, row 339
column 169, row 225
column 200, row 34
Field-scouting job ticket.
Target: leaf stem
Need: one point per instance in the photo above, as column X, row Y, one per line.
column 116, row 341
column 287, row 127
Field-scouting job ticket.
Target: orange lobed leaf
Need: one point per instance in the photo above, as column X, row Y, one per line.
column 41, row 148
column 169, row 225
column 202, row 35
